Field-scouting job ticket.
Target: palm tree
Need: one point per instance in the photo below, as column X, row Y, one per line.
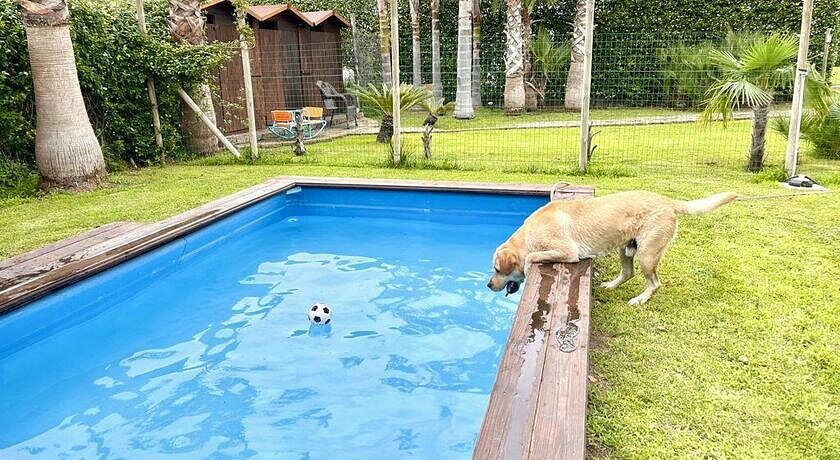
column 384, row 41
column 437, row 86
column 514, row 81
column 416, row 76
column 463, row 93
column 435, row 108
column 67, row 152
column 750, row 79
column 575, row 77
column 530, row 91
column 549, row 57
column 476, row 54
column 379, row 99
column 186, row 24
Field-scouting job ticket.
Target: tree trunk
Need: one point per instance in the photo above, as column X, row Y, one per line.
column 759, row 131
column 575, row 77
column 463, row 94
column 416, row 72
column 384, row 41
column 437, row 86
column 198, row 138
column 386, row 129
column 67, row 152
column 476, row 54
column 428, row 127
column 527, row 70
column 514, row 82
column 187, row 27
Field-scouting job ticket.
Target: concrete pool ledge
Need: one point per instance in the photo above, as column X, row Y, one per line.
column 537, row 408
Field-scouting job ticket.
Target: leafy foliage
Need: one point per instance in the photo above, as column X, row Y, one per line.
column 380, row 97
column 113, row 62
column 549, row 59
column 821, row 121
column 749, row 79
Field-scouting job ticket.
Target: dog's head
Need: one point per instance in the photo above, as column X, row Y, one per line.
column 508, row 267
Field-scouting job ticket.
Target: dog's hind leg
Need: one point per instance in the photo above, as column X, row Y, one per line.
column 652, row 241
column 627, row 272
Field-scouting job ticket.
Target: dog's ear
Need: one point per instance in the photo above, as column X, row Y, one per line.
column 507, row 260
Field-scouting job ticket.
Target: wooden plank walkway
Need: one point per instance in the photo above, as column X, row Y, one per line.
column 537, row 409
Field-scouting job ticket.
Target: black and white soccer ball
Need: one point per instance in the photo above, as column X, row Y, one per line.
column 319, row 314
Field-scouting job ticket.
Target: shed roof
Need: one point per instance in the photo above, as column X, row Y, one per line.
column 265, row 12
column 319, row 17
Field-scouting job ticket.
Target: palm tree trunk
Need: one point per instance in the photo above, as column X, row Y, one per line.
column 759, row 131
column 575, row 78
column 463, row 93
column 514, row 82
column 437, row 86
column 530, row 93
column 476, row 54
column 386, row 129
column 428, row 127
column 67, row 152
column 187, row 27
column 384, row 41
column 416, row 75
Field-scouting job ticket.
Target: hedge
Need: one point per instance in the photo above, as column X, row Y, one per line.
column 113, row 61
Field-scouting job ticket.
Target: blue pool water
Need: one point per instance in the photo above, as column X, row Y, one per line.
column 202, row 348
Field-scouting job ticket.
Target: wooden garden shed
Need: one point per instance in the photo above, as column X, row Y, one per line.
column 293, row 49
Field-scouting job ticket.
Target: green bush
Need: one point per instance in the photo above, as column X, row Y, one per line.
column 113, row 62
column 16, row 178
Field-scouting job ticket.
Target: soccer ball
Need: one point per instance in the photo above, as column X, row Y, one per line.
column 319, row 314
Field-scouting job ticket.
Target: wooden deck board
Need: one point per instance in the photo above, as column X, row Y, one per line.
column 537, row 409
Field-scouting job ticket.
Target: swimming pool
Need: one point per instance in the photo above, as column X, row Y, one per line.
column 202, row 347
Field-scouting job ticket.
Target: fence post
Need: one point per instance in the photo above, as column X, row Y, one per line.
column 798, row 89
column 395, row 79
column 355, row 38
column 209, row 124
column 150, row 83
column 583, row 154
column 249, row 89
column 826, row 54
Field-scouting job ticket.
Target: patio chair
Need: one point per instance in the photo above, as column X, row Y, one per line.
column 285, row 127
column 335, row 101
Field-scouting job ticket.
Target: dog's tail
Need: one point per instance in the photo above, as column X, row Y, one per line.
column 704, row 205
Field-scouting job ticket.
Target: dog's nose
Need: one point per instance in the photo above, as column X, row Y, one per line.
column 489, row 285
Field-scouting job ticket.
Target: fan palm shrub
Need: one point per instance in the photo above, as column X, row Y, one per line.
column 750, row 80
column 549, row 58
column 821, row 120
column 379, row 99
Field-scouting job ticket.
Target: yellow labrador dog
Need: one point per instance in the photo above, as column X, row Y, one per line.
column 637, row 223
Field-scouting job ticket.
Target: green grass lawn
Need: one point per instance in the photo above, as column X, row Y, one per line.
column 737, row 356
column 672, row 149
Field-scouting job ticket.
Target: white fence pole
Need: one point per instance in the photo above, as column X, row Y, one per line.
column 792, row 153
column 826, row 52
column 210, row 125
column 583, row 154
column 395, row 79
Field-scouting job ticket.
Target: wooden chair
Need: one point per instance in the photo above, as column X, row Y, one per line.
column 335, row 101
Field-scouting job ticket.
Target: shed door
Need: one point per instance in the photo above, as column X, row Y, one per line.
column 292, row 81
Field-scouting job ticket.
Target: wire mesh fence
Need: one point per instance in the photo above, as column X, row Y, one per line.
column 648, row 101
